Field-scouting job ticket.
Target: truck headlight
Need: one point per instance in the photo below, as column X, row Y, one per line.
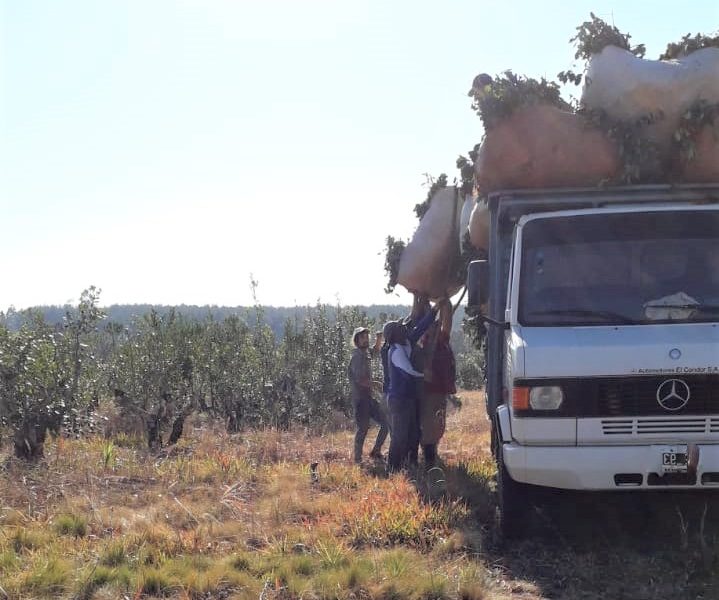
column 546, row 397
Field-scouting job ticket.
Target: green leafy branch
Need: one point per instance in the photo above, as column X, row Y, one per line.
column 638, row 155
column 509, row 92
column 393, row 254
column 570, row 76
column 699, row 115
column 596, row 34
column 465, row 165
column 689, row 44
column 434, row 186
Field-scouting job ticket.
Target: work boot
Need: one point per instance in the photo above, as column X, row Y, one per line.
column 376, row 454
column 357, row 456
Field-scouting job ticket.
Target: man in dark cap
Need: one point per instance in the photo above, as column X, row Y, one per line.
column 402, row 383
column 481, row 86
column 365, row 406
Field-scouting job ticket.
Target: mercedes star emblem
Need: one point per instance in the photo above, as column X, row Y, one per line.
column 673, row 394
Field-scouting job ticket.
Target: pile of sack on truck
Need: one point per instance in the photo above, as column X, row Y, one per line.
column 637, row 121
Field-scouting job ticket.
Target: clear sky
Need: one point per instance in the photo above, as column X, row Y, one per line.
column 165, row 150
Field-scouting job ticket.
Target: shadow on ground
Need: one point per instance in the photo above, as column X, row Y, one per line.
column 626, row 545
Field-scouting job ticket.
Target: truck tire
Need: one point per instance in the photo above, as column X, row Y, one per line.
column 513, row 503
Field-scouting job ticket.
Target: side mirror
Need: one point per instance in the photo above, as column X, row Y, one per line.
column 477, row 285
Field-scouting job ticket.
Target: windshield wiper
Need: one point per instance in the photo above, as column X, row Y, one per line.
column 578, row 312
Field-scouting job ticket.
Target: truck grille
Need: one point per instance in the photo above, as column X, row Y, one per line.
column 659, row 426
column 638, row 396
column 634, row 396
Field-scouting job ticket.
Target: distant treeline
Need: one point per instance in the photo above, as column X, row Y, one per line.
column 274, row 316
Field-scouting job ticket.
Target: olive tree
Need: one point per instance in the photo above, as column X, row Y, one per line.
column 49, row 376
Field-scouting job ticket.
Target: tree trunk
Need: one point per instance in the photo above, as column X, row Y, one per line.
column 29, row 440
column 177, row 427
column 154, row 440
column 234, row 419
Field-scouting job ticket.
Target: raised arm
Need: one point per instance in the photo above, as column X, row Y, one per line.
column 422, row 326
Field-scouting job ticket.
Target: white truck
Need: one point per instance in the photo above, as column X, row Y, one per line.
column 602, row 315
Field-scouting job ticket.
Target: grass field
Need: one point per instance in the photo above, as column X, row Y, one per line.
column 242, row 516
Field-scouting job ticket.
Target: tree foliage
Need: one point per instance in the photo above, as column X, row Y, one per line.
column 393, row 254
column 596, row 34
column 163, row 366
column 688, row 44
column 509, row 92
column 49, row 376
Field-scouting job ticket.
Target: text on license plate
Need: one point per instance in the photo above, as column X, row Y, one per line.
column 674, row 462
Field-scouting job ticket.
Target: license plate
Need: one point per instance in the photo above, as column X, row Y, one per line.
column 674, row 460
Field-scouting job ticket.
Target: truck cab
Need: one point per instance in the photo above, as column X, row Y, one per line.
column 602, row 314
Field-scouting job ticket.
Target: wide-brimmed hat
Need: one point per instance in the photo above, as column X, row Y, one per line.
column 356, row 332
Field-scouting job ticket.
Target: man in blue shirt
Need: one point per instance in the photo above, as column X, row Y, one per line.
column 402, row 383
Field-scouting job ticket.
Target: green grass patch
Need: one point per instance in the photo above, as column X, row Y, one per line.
column 100, row 576
column 431, row 586
column 474, row 583
column 343, row 582
column 302, row 565
column 396, row 563
column 47, row 577
column 154, row 582
column 28, row 539
column 180, row 565
column 240, row 562
column 358, row 573
column 9, row 561
column 332, row 554
column 69, row 524
column 196, row 576
column 114, row 554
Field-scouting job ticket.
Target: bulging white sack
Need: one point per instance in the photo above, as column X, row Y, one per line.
column 428, row 260
column 627, row 87
column 479, row 227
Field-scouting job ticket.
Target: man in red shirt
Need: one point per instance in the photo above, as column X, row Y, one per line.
column 439, row 382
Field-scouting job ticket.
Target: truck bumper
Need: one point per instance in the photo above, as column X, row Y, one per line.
column 608, row 467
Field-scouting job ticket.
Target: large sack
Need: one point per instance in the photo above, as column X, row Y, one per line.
column 428, row 260
column 628, row 88
column 479, row 227
column 542, row 146
column 703, row 167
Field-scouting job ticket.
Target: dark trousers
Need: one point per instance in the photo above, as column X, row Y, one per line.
column 404, row 422
column 430, row 453
column 367, row 408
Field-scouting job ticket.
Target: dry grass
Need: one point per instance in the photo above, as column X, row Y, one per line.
column 240, row 516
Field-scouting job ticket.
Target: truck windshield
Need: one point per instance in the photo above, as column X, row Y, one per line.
column 621, row 268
